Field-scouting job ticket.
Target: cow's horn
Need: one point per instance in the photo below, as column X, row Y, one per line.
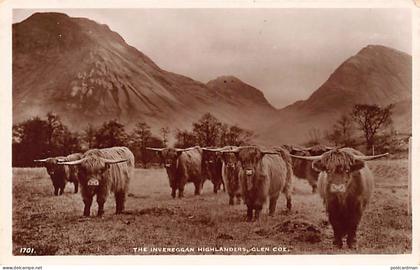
column 212, row 149
column 230, row 151
column 41, row 160
column 185, row 149
column 270, row 153
column 155, row 149
column 366, row 158
column 74, row 162
column 312, row 158
column 114, row 161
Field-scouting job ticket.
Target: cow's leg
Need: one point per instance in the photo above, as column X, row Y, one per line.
column 76, row 186
column 272, row 205
column 119, row 202
column 181, row 192
column 314, row 187
column 249, row 213
column 198, row 186
column 56, row 190
column 88, row 202
column 231, row 197
column 100, row 199
column 258, row 209
column 338, row 231
column 238, row 199
column 289, row 201
column 61, row 188
column 352, row 228
column 173, row 194
column 215, row 188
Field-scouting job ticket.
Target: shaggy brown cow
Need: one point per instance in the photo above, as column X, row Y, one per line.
column 61, row 174
column 230, row 173
column 303, row 168
column 101, row 171
column 263, row 176
column 345, row 184
column 211, row 167
column 182, row 166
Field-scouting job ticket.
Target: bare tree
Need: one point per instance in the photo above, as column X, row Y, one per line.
column 342, row 131
column 370, row 119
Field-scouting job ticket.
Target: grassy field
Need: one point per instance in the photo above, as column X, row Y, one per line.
column 201, row 224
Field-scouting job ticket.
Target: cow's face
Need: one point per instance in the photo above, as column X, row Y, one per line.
column 339, row 168
column 169, row 158
column 230, row 160
column 92, row 172
column 52, row 168
column 249, row 158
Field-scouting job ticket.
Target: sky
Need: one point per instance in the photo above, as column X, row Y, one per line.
column 286, row 53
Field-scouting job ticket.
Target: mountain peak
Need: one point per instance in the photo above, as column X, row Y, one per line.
column 238, row 92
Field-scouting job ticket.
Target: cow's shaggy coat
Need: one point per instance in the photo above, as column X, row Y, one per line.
column 183, row 167
column 345, row 185
column 211, row 167
column 230, row 175
column 60, row 174
column 262, row 177
column 111, row 177
column 303, row 168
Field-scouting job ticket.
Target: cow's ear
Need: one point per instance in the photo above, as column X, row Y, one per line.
column 178, row 153
column 357, row 165
column 318, row 166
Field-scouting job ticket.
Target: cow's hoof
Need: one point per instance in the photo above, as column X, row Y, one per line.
column 352, row 244
column 338, row 243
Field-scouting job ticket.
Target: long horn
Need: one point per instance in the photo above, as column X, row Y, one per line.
column 74, row 162
column 114, row 161
column 212, row 150
column 41, row 160
column 186, row 149
column 270, row 153
column 312, row 158
column 366, row 158
column 155, row 149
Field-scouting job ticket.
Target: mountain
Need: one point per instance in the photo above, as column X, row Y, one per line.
column 375, row 75
column 88, row 74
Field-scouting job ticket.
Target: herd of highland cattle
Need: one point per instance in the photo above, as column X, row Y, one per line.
column 250, row 173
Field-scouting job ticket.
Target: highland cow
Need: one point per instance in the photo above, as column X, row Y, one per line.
column 345, row 184
column 102, row 171
column 303, row 168
column 211, row 166
column 61, row 174
column 182, row 166
column 263, row 176
column 230, row 173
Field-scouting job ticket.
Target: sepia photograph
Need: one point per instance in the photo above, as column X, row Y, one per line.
column 211, row 131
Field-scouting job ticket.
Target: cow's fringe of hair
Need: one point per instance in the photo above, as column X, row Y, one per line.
column 337, row 160
column 117, row 172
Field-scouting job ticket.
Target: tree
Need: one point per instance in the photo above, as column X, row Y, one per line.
column 185, row 139
column 140, row 137
column 371, row 119
column 207, row 130
column 342, row 132
column 314, row 136
column 234, row 135
column 89, row 136
column 37, row 138
column 164, row 133
column 111, row 133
